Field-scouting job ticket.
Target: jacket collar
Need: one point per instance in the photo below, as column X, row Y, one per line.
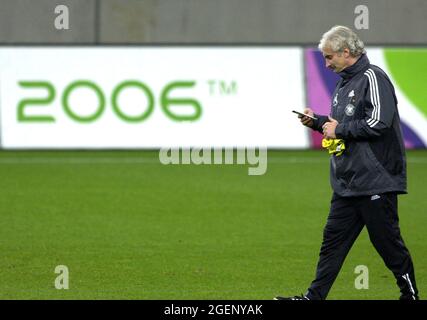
column 361, row 64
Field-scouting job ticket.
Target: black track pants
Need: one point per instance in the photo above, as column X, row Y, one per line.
column 346, row 220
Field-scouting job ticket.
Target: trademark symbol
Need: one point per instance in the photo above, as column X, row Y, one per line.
column 221, row 87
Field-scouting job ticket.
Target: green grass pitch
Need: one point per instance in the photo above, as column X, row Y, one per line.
column 128, row 227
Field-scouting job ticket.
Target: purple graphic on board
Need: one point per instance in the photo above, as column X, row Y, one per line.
column 412, row 141
column 320, row 87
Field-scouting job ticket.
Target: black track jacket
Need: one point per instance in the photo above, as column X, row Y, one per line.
column 365, row 105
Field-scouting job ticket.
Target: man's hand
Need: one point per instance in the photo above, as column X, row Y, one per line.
column 306, row 120
column 329, row 128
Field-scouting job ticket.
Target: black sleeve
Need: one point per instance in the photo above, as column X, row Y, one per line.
column 380, row 108
column 317, row 124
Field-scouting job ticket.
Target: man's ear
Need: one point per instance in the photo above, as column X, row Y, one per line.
column 346, row 53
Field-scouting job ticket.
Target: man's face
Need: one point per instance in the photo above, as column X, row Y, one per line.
column 336, row 61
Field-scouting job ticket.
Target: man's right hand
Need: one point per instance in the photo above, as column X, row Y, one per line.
column 306, row 120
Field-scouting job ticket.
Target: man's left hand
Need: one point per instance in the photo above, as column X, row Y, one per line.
column 329, row 128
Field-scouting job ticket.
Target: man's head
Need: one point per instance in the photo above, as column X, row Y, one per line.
column 341, row 48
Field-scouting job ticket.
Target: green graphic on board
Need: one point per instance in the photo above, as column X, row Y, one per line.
column 409, row 70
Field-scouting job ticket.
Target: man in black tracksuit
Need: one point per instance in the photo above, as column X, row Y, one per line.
column 367, row 177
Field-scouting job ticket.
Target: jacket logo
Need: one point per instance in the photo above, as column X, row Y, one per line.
column 349, row 109
column 335, row 102
column 352, row 97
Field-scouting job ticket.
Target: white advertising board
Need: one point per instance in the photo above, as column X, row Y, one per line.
column 151, row 97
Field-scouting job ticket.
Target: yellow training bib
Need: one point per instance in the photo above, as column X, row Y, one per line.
column 334, row 146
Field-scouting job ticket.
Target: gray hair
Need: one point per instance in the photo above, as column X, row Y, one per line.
column 339, row 38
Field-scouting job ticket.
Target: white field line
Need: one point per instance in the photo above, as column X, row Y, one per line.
column 153, row 160
column 78, row 160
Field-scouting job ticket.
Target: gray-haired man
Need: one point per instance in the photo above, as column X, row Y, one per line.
column 367, row 177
